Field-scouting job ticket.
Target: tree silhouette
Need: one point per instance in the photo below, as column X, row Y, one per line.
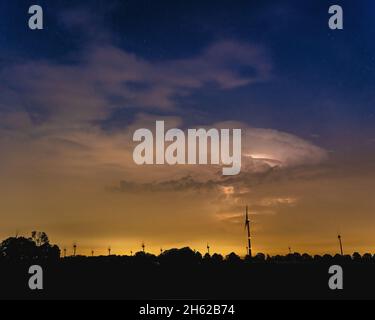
column 306, row 257
column 356, row 256
column 36, row 247
column 260, row 257
column 40, row 238
column 207, row 257
column 184, row 256
column 367, row 257
column 217, row 258
column 233, row 258
column 18, row 249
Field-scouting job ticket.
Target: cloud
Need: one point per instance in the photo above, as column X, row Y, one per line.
column 108, row 78
column 55, row 110
column 83, row 147
column 184, row 184
column 293, row 160
column 265, row 148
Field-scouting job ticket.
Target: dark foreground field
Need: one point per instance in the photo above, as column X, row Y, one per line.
column 149, row 277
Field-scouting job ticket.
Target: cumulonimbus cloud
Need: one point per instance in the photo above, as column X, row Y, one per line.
column 54, row 109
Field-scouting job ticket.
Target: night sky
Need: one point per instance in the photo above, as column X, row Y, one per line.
column 71, row 96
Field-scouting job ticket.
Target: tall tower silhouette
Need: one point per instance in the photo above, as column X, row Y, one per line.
column 247, row 227
column 64, row 252
column 74, row 249
column 340, row 242
column 208, row 249
column 109, row 251
column 143, row 247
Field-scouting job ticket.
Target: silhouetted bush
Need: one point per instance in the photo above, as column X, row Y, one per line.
column 232, row 258
column 306, row 257
column 217, row 258
column 260, row 257
column 357, row 257
column 184, row 256
column 367, row 257
column 144, row 258
column 327, row 258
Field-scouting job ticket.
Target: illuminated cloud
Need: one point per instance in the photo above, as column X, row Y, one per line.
column 109, row 78
column 56, row 109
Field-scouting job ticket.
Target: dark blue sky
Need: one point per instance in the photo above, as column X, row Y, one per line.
column 322, row 82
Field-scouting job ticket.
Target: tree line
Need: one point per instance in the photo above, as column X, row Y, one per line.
column 38, row 247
